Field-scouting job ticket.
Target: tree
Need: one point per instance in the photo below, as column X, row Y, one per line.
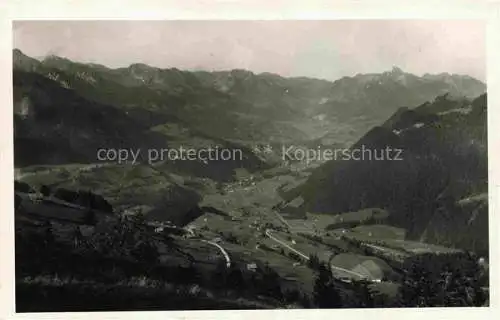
column 362, row 296
column 295, row 256
column 232, row 238
column 270, row 282
column 418, row 287
column 186, row 275
column 219, row 277
column 235, row 278
column 45, row 191
column 77, row 236
column 138, row 220
column 102, row 204
column 146, row 252
column 439, row 280
column 90, row 217
column 291, row 296
column 22, row 187
column 313, row 262
column 17, row 201
column 49, row 234
column 326, row 294
column 125, row 240
column 382, row 300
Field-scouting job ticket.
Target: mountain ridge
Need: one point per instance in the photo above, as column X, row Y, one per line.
column 444, row 160
column 393, row 70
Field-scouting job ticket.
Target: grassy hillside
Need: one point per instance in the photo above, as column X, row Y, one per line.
column 444, row 159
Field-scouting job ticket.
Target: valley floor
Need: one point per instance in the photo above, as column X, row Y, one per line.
column 240, row 229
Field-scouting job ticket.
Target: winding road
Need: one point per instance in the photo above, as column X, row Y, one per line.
column 268, row 233
column 224, row 252
column 283, row 220
column 284, row 244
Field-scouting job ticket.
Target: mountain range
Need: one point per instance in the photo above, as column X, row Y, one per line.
column 250, row 108
column 64, row 111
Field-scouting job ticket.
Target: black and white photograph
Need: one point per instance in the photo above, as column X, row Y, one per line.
column 165, row 165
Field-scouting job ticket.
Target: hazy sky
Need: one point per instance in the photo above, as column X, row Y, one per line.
column 321, row 49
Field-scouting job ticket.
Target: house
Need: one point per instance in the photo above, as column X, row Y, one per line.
column 217, row 240
column 252, row 267
column 294, row 207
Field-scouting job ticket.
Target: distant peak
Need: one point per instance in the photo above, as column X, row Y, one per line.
column 19, row 54
column 53, row 57
column 140, row 66
column 396, row 70
column 22, row 61
column 241, row 72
